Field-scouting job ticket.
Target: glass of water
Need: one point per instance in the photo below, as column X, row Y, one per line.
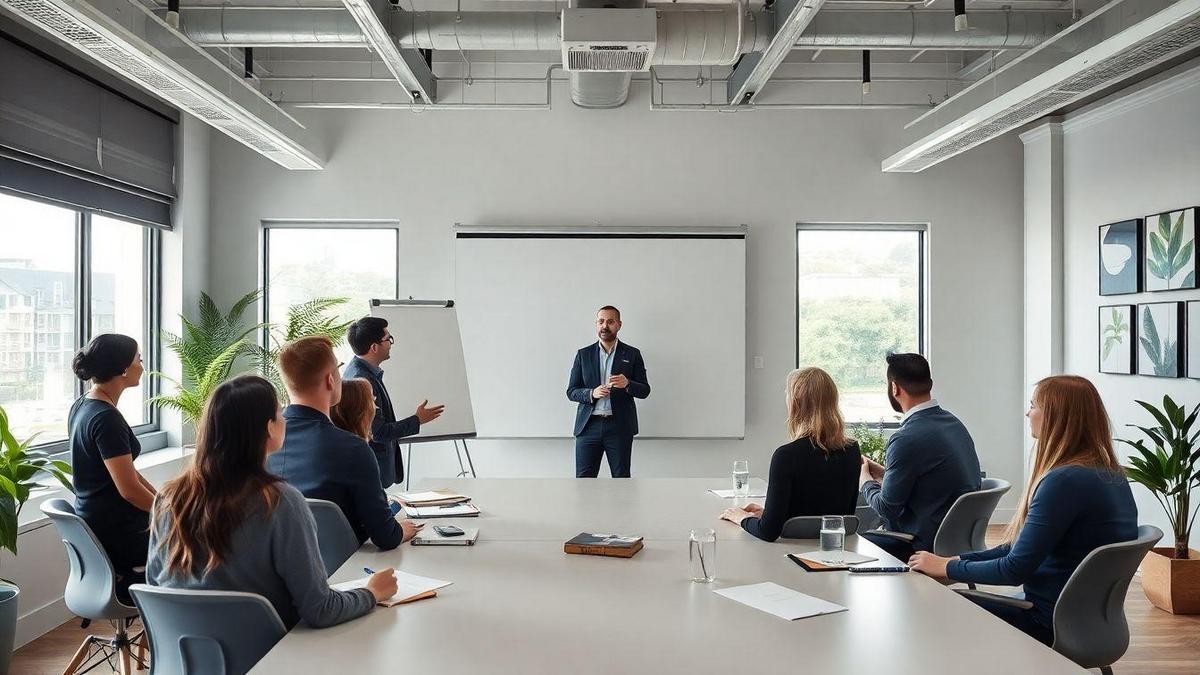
column 833, row 539
column 741, row 479
column 702, row 556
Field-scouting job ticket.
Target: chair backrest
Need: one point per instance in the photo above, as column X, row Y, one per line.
column 868, row 519
column 809, row 527
column 335, row 538
column 1089, row 618
column 965, row 525
column 206, row 632
column 92, row 582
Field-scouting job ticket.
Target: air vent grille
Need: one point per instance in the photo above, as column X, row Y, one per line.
column 607, row 60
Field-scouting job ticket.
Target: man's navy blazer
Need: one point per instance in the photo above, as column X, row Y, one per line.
column 386, row 430
column 585, row 376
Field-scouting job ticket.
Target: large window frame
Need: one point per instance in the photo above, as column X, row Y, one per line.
column 149, row 340
column 922, row 231
column 309, row 224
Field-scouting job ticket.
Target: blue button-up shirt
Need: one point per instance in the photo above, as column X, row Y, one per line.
column 604, row 405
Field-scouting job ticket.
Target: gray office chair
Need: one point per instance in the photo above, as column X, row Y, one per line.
column 867, row 518
column 206, row 632
column 91, row 594
column 809, row 527
column 335, row 538
column 1089, row 617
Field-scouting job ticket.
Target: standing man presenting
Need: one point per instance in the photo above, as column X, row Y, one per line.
column 372, row 345
column 605, row 379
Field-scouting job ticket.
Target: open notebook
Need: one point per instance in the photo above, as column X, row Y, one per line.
column 410, row 588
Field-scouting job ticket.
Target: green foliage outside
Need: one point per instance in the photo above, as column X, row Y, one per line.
column 871, row 442
column 849, row 338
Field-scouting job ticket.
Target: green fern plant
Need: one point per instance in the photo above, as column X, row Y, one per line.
column 207, row 350
column 1169, row 255
column 1171, row 469
column 19, row 467
column 1114, row 332
column 306, row 319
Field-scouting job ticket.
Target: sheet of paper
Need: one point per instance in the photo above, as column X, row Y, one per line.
column 758, row 490
column 428, row 496
column 443, row 511
column 848, row 558
column 407, row 585
column 780, row 601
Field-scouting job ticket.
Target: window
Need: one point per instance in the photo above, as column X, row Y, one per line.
column 860, row 295
column 120, row 294
column 48, row 252
column 304, row 262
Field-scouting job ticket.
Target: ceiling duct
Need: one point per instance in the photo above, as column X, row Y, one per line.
column 608, row 40
column 1110, row 48
column 129, row 40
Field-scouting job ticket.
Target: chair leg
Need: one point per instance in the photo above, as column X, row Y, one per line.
column 123, row 660
column 80, row 656
column 971, row 586
column 141, row 652
column 1106, row 670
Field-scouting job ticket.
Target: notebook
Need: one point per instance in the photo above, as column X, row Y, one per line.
column 612, row 545
column 428, row 537
column 463, row 510
column 849, row 559
column 410, row 588
column 781, row 601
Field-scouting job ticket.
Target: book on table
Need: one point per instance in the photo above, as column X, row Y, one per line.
column 409, row 588
column 438, row 497
column 612, row 545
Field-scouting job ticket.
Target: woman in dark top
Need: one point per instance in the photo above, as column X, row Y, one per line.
column 1077, row 500
column 814, row 475
column 110, row 494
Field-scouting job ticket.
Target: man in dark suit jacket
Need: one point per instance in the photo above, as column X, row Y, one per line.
column 605, row 379
column 372, row 344
column 931, row 462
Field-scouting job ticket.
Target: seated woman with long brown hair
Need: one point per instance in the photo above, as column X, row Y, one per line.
column 814, row 475
column 227, row 524
column 1077, row 499
column 355, row 411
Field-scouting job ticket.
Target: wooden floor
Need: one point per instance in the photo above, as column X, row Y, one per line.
column 1160, row 644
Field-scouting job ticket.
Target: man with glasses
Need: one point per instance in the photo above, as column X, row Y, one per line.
column 372, row 345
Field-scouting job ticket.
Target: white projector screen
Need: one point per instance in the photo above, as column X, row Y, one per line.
column 527, row 301
column 427, row 363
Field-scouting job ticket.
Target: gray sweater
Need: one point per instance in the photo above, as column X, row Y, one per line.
column 276, row 557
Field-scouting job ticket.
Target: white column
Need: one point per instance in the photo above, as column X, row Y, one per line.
column 1043, row 257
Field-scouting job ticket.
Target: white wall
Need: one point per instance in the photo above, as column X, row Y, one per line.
column 1131, row 156
column 631, row 166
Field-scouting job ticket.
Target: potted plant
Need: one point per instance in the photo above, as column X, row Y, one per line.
column 19, row 469
column 306, row 319
column 1169, row 470
column 871, row 442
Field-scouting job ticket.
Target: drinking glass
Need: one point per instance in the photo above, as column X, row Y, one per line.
column 741, row 479
column 833, row 539
column 702, row 556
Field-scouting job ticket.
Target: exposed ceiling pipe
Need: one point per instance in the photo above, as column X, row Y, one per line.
column 685, row 37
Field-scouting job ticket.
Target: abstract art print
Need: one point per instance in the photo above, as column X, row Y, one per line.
column 1120, row 257
column 1160, row 350
column 1193, row 339
column 1170, row 250
column 1117, row 339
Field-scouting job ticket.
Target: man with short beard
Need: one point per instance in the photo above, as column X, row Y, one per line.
column 605, row 379
column 930, row 460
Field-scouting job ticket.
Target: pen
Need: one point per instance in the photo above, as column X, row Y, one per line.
column 368, row 570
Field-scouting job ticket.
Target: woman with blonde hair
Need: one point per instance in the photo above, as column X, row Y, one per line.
column 1077, row 499
column 814, row 475
column 355, row 411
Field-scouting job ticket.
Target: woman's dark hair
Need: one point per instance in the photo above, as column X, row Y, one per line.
column 226, row 481
column 105, row 357
column 365, row 332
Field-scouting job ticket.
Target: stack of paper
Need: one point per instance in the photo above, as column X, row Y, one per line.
column 780, row 601
column 462, row 510
column 431, row 498
column 410, row 587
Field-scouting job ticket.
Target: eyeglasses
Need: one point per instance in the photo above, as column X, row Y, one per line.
column 389, row 339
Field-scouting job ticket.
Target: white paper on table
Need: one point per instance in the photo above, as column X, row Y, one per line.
column 464, row 509
column 848, row 558
column 780, row 601
column 430, row 496
column 407, row 586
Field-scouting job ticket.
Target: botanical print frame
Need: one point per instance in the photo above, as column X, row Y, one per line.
column 1117, row 344
column 1170, row 250
column 1120, row 257
column 1193, row 339
column 1160, row 343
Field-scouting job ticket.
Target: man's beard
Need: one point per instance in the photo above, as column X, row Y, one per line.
column 893, row 401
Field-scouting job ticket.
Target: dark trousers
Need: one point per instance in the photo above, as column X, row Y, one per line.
column 901, row 550
column 601, row 438
column 1021, row 619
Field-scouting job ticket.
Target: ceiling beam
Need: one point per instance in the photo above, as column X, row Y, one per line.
column 406, row 65
column 751, row 74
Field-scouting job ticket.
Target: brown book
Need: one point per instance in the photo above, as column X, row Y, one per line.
column 612, row 545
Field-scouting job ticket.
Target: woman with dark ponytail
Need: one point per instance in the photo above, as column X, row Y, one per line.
column 110, row 494
column 228, row 524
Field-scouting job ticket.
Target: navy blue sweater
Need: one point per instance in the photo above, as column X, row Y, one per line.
column 325, row 462
column 1074, row 510
column 931, row 462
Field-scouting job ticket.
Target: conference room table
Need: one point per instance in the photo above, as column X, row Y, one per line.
column 519, row 604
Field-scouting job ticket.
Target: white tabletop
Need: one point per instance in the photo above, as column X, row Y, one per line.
column 521, row 605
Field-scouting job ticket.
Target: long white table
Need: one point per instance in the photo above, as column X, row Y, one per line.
column 521, row 605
